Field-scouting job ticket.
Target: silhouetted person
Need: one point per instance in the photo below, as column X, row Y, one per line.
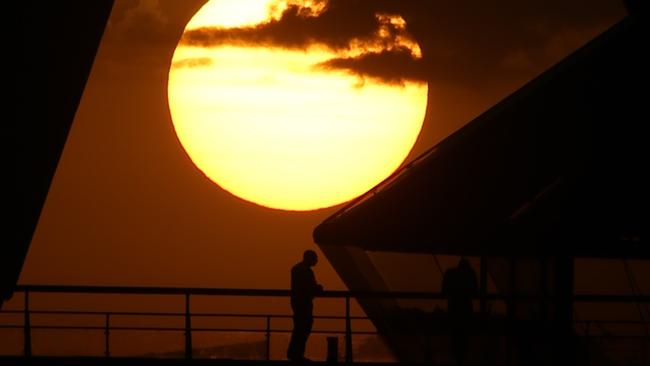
column 303, row 290
column 459, row 285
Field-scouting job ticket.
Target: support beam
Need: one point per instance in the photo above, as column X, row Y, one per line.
column 483, row 272
column 563, row 280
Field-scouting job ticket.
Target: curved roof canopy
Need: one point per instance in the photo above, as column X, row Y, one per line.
column 558, row 167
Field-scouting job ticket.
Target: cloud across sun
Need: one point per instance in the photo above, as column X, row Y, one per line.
column 279, row 106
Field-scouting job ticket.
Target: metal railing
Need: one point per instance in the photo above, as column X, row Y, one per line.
column 187, row 293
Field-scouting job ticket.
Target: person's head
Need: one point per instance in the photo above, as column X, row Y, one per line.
column 310, row 258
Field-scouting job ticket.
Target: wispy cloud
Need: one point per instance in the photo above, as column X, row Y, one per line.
column 192, row 62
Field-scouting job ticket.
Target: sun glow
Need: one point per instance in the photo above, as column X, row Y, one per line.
column 269, row 126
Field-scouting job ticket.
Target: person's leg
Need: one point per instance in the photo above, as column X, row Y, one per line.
column 295, row 333
column 461, row 350
column 460, row 341
column 309, row 322
column 291, row 350
column 303, row 327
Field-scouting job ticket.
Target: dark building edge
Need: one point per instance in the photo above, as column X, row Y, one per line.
column 57, row 44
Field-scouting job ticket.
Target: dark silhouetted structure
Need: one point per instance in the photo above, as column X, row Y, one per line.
column 58, row 42
column 303, row 290
column 557, row 170
column 460, row 285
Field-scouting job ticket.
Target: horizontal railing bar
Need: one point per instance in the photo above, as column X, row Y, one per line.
column 136, row 290
column 117, row 327
column 274, row 316
column 610, row 322
column 279, row 331
column 178, row 329
column 630, row 322
column 262, row 316
column 619, row 336
column 79, row 327
column 243, row 330
column 216, row 315
column 611, row 298
column 141, row 290
column 103, row 313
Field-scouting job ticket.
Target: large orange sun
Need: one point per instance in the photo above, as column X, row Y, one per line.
column 269, row 126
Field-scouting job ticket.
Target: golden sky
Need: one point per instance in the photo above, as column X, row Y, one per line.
column 127, row 205
column 126, row 195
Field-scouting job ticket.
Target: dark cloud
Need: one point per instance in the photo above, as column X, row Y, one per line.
column 334, row 28
column 377, row 38
column 466, row 42
column 392, row 67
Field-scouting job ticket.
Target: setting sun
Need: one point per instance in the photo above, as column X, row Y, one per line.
column 272, row 125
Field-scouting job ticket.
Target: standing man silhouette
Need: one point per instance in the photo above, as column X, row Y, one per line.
column 459, row 285
column 303, row 290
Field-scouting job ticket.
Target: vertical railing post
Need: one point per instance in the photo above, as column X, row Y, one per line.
column 587, row 341
column 646, row 344
column 27, row 330
column 107, row 335
column 188, row 328
column 563, row 285
column 268, row 337
column 483, row 287
column 510, row 309
column 428, row 340
column 544, row 287
column 348, row 331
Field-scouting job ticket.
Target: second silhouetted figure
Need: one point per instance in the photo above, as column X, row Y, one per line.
column 459, row 285
column 303, row 290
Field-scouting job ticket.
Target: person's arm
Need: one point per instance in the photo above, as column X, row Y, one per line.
column 313, row 285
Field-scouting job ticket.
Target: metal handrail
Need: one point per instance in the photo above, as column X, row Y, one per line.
column 178, row 329
column 237, row 315
column 141, row 290
column 163, row 314
column 188, row 315
column 268, row 330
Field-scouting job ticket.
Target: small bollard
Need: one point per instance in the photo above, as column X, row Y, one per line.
column 332, row 350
